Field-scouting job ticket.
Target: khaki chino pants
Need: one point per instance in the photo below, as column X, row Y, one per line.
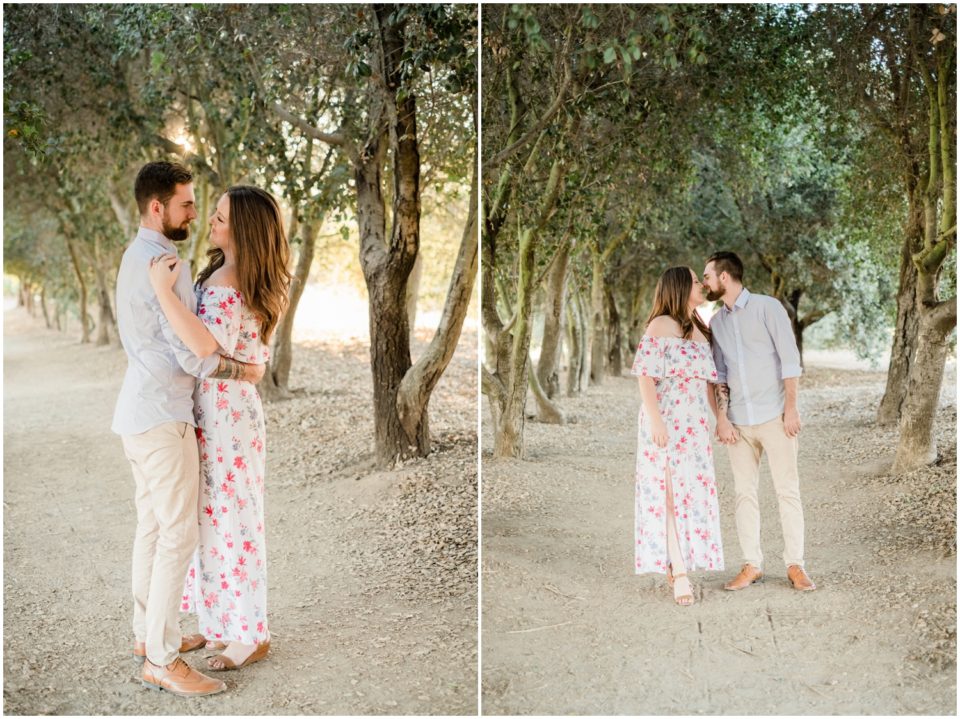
column 166, row 471
column 745, row 457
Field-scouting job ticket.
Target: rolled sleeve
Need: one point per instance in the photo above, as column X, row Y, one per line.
column 781, row 332
column 720, row 364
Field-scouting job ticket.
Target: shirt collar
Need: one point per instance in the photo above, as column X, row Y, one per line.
column 742, row 300
column 156, row 238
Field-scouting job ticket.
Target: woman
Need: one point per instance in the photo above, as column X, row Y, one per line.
column 677, row 516
column 241, row 294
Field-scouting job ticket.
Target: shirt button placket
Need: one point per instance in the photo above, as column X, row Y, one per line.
column 741, row 361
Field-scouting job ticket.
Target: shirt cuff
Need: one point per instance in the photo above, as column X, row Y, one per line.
column 788, row 371
column 721, row 378
column 209, row 365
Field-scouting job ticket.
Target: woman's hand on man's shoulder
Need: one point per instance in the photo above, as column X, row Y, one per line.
column 663, row 326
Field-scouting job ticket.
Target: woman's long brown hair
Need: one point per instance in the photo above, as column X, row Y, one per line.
column 262, row 255
column 671, row 298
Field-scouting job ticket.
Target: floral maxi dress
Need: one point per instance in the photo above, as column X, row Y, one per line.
column 681, row 370
column 226, row 585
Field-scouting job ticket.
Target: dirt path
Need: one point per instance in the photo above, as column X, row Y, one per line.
column 372, row 586
column 568, row 629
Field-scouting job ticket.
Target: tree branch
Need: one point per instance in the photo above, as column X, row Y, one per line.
column 547, row 116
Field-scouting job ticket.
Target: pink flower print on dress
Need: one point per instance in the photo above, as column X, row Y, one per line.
column 230, row 414
column 682, row 368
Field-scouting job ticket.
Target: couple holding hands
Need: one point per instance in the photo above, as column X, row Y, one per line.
column 744, row 366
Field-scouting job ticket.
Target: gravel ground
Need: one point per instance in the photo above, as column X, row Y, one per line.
column 569, row 629
column 373, row 575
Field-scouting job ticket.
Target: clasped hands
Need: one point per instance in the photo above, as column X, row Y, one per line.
column 727, row 434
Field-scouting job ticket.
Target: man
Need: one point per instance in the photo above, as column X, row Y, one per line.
column 154, row 417
column 758, row 362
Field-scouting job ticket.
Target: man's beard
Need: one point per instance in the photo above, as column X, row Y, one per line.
column 175, row 234
column 712, row 296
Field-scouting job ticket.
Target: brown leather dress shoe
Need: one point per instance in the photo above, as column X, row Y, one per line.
column 188, row 643
column 799, row 579
column 180, row 679
column 748, row 575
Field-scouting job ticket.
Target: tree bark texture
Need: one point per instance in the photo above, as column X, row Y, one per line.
column 598, row 323
column 548, row 412
column 907, row 327
column 107, row 320
column 387, row 263
column 615, row 351
column 548, row 375
column 574, row 344
column 419, row 382
column 937, row 319
column 82, row 287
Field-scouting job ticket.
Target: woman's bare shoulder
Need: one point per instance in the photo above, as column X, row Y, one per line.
column 663, row 326
column 223, row 277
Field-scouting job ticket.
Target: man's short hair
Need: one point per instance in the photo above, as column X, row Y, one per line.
column 159, row 180
column 727, row 262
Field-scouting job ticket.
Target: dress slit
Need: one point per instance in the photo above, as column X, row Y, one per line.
column 671, row 514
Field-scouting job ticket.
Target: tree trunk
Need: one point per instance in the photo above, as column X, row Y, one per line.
column 387, row 266
column 907, row 327
column 82, row 286
column 547, row 375
column 198, row 240
column 419, row 382
column 615, row 352
column 918, row 446
column 586, row 355
column 598, row 335
column 21, row 292
column 413, row 292
column 547, row 412
column 508, row 439
column 43, row 306
column 107, row 320
column 31, row 302
column 575, row 344
column 278, row 381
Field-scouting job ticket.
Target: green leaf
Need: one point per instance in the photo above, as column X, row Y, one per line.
column 609, row 55
column 157, row 59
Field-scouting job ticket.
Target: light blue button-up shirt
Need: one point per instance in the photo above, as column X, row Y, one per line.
column 754, row 350
column 161, row 371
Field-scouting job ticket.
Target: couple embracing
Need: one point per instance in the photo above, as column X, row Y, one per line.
column 745, row 367
column 192, row 424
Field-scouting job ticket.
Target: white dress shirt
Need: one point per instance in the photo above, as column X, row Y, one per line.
column 161, row 371
column 755, row 350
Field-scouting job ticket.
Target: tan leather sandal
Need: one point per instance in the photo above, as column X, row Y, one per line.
column 684, row 600
column 227, row 664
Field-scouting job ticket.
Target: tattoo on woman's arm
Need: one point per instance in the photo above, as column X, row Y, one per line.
column 229, row 369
